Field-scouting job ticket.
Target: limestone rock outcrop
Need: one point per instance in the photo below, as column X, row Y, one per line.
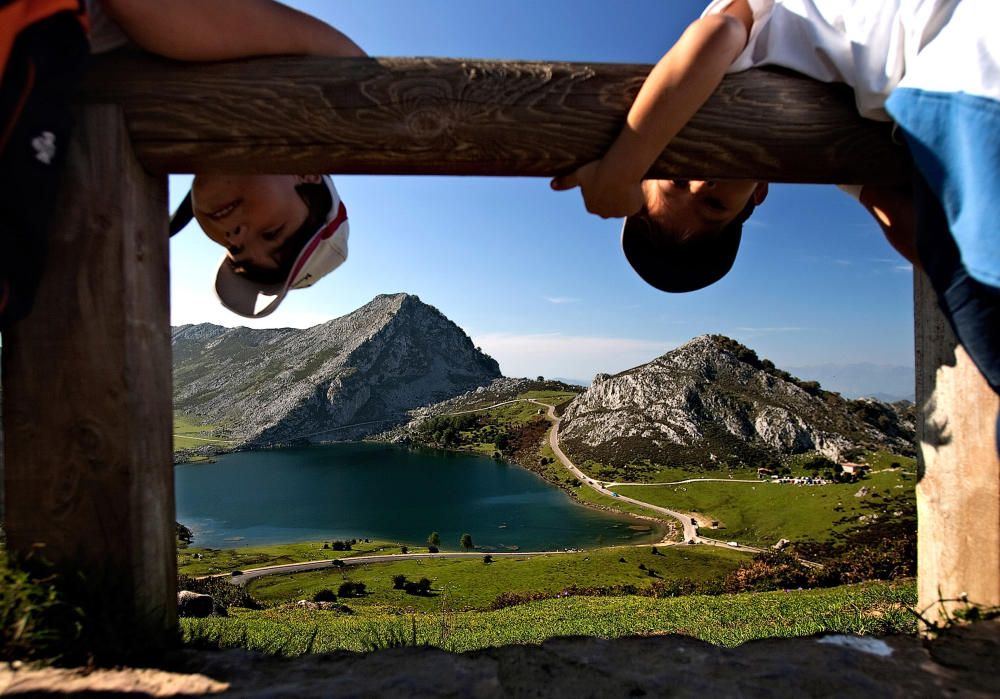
column 712, row 400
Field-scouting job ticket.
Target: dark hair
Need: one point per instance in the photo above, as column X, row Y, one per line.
column 676, row 260
column 318, row 202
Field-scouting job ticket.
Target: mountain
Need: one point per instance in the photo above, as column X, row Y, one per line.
column 882, row 381
column 343, row 379
column 715, row 400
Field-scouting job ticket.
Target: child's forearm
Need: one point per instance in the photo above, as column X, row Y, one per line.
column 676, row 88
column 212, row 30
column 892, row 207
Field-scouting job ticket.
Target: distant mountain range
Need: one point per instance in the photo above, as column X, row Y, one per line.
column 340, row 380
column 885, row 382
column 711, row 399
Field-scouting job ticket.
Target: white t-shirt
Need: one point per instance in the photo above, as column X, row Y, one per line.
column 877, row 45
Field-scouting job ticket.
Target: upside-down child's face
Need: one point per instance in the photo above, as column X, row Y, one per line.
column 694, row 207
column 252, row 216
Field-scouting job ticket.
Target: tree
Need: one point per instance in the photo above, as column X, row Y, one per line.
column 466, row 541
column 351, row 589
column 398, row 581
column 404, row 549
column 184, row 535
column 434, row 539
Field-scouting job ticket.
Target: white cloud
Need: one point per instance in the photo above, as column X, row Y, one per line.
column 561, row 299
column 194, row 305
column 568, row 356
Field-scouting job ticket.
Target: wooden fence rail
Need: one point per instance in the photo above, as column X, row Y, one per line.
column 87, row 395
column 429, row 116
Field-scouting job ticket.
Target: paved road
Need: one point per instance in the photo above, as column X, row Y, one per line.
column 690, row 530
column 248, row 575
column 690, row 480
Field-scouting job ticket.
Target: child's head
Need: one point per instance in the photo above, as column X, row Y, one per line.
column 279, row 231
column 687, row 235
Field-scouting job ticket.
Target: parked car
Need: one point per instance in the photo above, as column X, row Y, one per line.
column 734, row 544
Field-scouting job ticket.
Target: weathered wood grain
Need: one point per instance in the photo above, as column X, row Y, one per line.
column 958, row 495
column 463, row 117
column 87, row 409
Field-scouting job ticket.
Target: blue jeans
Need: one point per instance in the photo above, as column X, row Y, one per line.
column 971, row 307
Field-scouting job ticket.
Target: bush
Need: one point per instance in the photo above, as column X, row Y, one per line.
column 223, row 592
column 770, row 570
column 421, row 587
column 404, row 549
column 432, row 549
column 325, row 595
column 398, row 581
column 487, row 559
column 351, row 589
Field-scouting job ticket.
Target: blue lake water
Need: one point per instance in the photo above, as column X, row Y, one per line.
column 361, row 490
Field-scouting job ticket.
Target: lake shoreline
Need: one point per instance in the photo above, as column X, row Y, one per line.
column 663, row 529
column 212, row 500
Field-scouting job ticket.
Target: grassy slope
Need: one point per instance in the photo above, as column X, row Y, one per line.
column 472, row 584
column 761, row 513
column 872, row 608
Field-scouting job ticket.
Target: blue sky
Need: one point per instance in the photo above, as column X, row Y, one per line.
column 543, row 286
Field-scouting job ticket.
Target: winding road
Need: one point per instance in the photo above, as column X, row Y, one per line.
column 246, row 576
column 689, row 528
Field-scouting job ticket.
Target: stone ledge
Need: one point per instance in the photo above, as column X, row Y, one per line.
column 962, row 663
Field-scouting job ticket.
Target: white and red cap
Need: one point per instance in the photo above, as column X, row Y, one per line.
column 323, row 253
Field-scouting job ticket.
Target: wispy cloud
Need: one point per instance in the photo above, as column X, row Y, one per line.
column 561, row 299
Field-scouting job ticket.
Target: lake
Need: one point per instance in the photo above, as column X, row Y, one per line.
column 381, row 491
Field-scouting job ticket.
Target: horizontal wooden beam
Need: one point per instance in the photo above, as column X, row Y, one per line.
column 430, row 116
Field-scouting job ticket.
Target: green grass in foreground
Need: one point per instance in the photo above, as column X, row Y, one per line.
column 727, row 620
column 470, row 583
column 761, row 513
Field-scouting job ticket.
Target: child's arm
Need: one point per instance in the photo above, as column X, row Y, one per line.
column 213, row 30
column 674, row 90
column 892, row 207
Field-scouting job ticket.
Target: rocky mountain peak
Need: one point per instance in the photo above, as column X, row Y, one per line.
column 342, row 379
column 713, row 399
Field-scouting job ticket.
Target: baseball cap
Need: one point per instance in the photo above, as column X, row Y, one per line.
column 323, row 252
column 679, row 266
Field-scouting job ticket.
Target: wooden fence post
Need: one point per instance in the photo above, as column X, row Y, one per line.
column 87, row 396
column 958, row 495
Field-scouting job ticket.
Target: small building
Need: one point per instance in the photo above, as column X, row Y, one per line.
column 854, row 469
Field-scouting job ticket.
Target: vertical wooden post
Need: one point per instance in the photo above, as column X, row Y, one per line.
column 958, row 496
column 86, row 391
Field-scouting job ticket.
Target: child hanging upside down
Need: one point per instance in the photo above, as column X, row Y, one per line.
column 932, row 66
column 280, row 232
